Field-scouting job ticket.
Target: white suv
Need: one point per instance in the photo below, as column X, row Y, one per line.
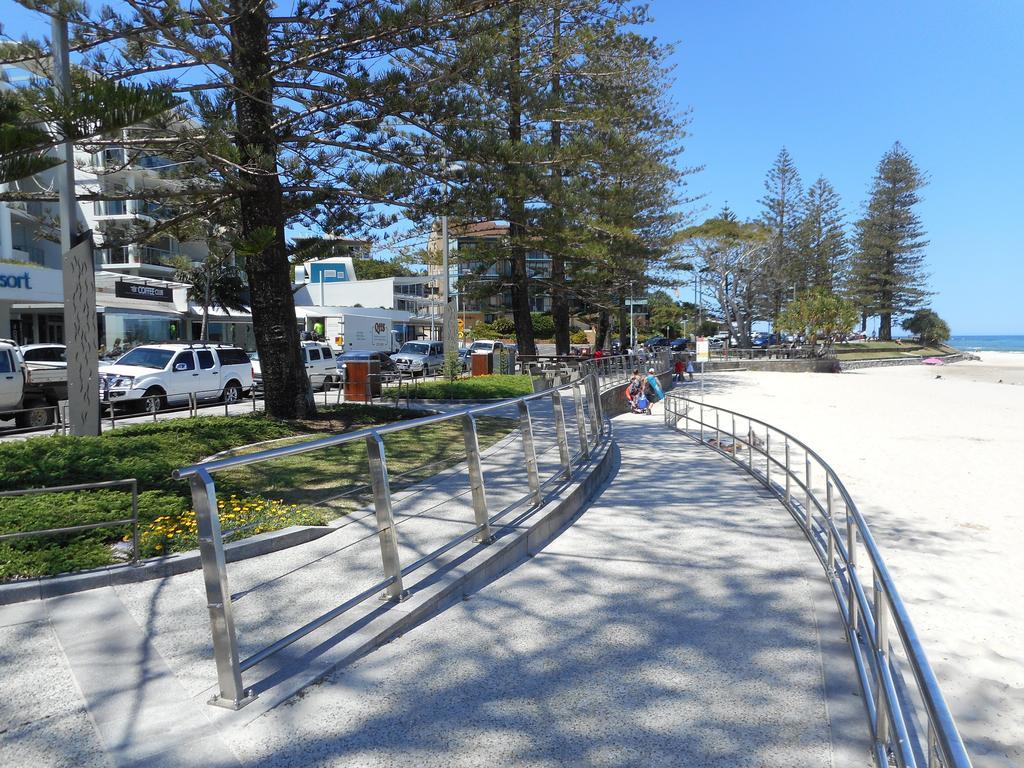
column 319, row 362
column 154, row 376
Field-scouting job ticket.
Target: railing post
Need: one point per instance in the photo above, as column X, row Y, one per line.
column 831, row 527
column 135, row 521
column 593, row 386
column 807, row 485
column 231, row 694
column 733, row 433
column 788, row 494
column 385, row 517
column 767, row 458
column 529, row 450
column 851, row 570
column 701, row 420
column 718, row 429
column 476, row 480
column 560, row 435
column 881, row 659
column 581, row 421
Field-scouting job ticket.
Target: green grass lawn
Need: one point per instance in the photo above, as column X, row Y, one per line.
column 492, row 387
column 306, row 489
column 874, row 350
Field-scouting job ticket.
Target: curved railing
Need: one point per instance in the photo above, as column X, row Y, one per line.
column 587, row 381
column 839, row 536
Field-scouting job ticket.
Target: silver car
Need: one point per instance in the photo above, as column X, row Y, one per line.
column 420, row 357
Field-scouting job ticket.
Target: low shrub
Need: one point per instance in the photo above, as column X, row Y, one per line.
column 490, row 387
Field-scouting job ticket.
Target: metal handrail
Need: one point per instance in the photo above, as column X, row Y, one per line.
column 592, row 378
column 889, row 715
column 133, row 520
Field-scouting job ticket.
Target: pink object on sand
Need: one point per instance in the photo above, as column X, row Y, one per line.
column 933, row 361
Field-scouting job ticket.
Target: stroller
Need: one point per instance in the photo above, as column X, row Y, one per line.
column 642, row 404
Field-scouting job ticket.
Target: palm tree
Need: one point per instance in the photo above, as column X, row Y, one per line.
column 215, row 282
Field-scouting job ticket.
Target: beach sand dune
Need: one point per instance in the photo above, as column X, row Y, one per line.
column 933, row 457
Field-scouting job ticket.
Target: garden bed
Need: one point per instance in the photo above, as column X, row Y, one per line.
column 309, row 489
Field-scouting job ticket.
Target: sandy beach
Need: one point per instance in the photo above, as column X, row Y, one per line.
column 932, row 456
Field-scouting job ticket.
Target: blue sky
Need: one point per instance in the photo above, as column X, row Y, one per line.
column 837, row 83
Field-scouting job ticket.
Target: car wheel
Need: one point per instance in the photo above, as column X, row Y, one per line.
column 35, row 417
column 153, row 401
column 232, row 393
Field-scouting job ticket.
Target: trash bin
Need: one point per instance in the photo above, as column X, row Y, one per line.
column 362, row 380
column 481, row 363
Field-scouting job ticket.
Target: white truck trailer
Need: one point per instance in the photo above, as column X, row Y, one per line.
column 361, row 333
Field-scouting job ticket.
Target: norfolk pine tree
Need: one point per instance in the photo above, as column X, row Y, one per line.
column 821, row 243
column 297, row 118
column 888, row 276
column 783, row 212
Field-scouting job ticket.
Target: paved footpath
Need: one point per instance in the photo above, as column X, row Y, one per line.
column 679, row 621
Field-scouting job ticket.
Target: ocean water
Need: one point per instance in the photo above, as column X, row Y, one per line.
column 988, row 343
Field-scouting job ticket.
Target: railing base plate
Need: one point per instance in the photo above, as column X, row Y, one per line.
column 223, row 703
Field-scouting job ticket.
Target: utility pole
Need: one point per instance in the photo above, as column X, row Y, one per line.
column 79, row 275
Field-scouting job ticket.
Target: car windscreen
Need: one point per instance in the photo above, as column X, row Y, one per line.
column 147, row 357
column 415, row 348
column 349, row 356
column 481, row 345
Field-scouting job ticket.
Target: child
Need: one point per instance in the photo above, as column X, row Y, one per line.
column 689, row 368
column 678, row 375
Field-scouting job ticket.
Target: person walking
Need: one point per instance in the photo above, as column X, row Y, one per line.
column 677, row 376
column 689, row 367
column 653, row 385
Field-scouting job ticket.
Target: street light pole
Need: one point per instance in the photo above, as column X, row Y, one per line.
column 632, row 327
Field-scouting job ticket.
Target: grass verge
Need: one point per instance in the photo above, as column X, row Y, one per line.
column 307, row 489
column 875, row 350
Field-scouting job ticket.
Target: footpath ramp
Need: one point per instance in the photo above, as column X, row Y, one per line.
column 673, row 624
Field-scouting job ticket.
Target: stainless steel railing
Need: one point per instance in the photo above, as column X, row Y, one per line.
column 839, row 535
column 133, row 521
column 590, row 380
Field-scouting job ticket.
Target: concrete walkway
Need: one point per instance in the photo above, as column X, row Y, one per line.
column 676, row 622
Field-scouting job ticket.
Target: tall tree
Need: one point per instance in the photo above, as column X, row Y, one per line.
column 782, row 204
column 732, row 256
column 888, row 276
column 821, row 242
column 215, row 282
column 310, row 117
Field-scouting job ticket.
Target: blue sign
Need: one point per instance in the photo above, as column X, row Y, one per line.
column 15, row 281
column 329, row 272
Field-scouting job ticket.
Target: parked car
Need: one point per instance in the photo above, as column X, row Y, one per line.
column 464, row 353
column 490, row 346
column 679, row 345
column 318, row 358
column 655, row 342
column 387, row 365
column 420, row 357
column 46, row 355
column 154, row 376
column 29, row 392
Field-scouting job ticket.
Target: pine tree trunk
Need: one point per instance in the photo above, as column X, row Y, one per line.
column 604, row 322
column 287, row 394
column 517, row 195
column 559, row 300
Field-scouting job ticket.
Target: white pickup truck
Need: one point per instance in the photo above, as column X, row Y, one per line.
column 28, row 394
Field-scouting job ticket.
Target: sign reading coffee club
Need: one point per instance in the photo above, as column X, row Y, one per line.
column 140, row 291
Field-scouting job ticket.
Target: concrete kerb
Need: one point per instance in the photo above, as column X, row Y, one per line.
column 470, row 567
